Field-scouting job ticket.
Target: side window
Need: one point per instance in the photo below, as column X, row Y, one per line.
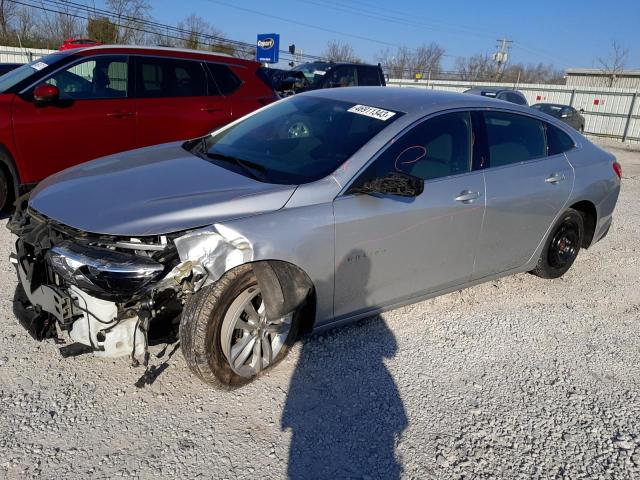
column 557, row 141
column 368, row 76
column 513, row 138
column 436, row 148
column 341, row 77
column 95, row 78
column 167, row 77
column 226, row 81
column 513, row 98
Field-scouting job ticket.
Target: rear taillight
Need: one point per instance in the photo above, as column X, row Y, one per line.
column 618, row 169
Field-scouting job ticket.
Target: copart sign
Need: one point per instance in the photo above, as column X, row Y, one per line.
column 268, row 47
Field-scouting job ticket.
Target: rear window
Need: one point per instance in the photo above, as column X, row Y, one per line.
column 368, row 76
column 514, row 98
column 167, row 77
column 513, row 138
column 557, row 141
column 226, row 81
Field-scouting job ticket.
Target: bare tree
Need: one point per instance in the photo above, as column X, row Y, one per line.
column 7, row 15
column 55, row 28
column 477, row 67
column 340, row 52
column 198, row 33
column 195, row 31
column 615, row 63
column 426, row 60
column 127, row 15
column 26, row 30
column 398, row 63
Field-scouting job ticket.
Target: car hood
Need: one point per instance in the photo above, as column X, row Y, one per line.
column 152, row 191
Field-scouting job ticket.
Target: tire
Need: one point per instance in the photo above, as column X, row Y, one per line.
column 6, row 190
column 206, row 328
column 562, row 246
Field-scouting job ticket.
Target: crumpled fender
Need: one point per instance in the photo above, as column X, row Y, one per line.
column 219, row 248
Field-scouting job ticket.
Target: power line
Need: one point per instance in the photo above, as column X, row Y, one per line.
column 397, row 17
column 304, row 24
column 137, row 24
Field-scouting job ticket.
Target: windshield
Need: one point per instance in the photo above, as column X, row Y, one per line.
column 312, row 71
column 14, row 77
column 553, row 110
column 297, row 140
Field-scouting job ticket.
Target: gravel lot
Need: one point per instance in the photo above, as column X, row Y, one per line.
column 520, row 377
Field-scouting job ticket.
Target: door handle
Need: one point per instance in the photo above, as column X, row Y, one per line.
column 210, row 109
column 554, row 178
column 467, row 196
column 120, row 114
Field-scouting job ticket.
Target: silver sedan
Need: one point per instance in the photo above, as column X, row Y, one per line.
column 315, row 211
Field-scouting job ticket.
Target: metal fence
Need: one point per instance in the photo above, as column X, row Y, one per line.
column 21, row 55
column 608, row 112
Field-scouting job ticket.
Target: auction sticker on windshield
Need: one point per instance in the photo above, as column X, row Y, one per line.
column 39, row 66
column 372, row 112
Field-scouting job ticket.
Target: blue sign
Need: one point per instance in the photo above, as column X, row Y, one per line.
column 268, row 48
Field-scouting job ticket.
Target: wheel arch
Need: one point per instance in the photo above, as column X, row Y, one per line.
column 285, row 287
column 589, row 214
column 8, row 162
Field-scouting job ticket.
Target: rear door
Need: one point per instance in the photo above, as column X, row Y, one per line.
column 526, row 189
column 176, row 100
column 95, row 116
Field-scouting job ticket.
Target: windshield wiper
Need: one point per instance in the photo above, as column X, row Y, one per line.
column 247, row 166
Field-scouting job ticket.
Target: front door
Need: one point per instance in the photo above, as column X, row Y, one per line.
column 526, row 190
column 94, row 117
column 391, row 248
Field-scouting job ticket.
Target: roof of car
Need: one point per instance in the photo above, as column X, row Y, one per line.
column 335, row 64
column 479, row 90
column 156, row 49
column 410, row 100
column 551, row 104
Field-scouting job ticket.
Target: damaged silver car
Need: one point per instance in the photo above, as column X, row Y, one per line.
column 317, row 210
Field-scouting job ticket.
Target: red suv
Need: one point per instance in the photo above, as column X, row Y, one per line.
column 72, row 106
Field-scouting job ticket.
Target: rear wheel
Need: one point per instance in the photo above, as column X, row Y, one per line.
column 225, row 335
column 562, row 246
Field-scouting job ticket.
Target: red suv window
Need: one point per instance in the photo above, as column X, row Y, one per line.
column 225, row 79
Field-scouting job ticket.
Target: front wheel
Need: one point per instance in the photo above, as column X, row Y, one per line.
column 6, row 191
column 562, row 246
column 225, row 335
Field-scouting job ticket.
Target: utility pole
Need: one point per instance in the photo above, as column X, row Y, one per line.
column 501, row 57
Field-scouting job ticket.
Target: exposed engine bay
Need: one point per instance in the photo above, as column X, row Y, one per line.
column 102, row 294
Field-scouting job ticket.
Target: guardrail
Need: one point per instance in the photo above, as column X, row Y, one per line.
column 608, row 112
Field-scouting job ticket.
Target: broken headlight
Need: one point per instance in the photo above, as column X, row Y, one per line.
column 106, row 273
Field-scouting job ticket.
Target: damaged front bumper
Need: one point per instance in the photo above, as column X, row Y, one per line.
column 103, row 293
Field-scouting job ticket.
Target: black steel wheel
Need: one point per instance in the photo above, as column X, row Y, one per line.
column 562, row 246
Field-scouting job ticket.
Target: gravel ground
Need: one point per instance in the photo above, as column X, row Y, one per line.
column 519, row 377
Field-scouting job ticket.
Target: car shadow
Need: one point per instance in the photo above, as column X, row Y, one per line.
column 343, row 407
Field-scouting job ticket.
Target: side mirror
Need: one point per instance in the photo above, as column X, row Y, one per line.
column 45, row 93
column 394, row 183
column 582, row 110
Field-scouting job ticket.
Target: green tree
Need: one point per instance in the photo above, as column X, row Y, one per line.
column 102, row 29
